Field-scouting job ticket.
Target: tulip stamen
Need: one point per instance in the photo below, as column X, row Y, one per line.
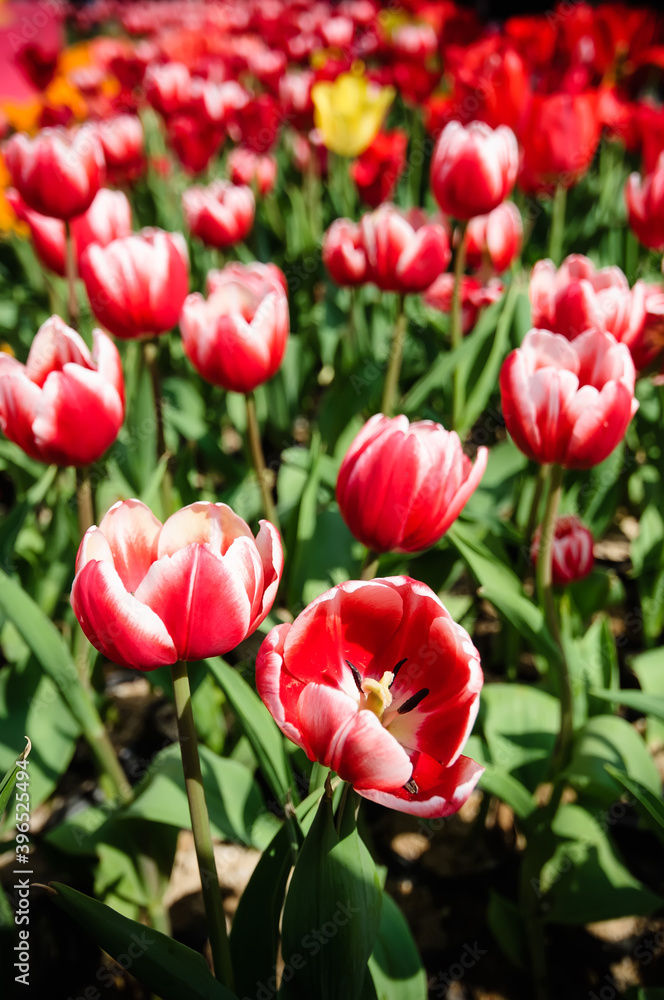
column 377, row 693
column 411, row 786
column 397, row 668
column 412, row 702
column 357, row 676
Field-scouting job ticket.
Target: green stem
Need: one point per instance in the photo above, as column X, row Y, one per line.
column 71, row 272
column 370, row 565
column 84, row 504
column 456, row 325
column 258, row 459
column 557, row 230
column 544, row 577
column 391, row 387
column 151, row 362
column 200, row 826
column 542, row 476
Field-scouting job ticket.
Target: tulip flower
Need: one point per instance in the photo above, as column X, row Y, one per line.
column 343, row 253
column 220, row 214
column 58, row 172
column 147, row 593
column 349, row 112
column 560, row 136
column 377, row 682
column 473, row 168
column 572, row 550
column 401, row 485
column 259, row 123
column 65, row 406
column 568, row 402
column 473, row 297
column 107, row 219
column 122, row 142
column 137, row 284
column 378, row 169
column 237, row 337
column 494, row 239
column 252, row 169
column 168, row 87
column 645, row 206
column 194, row 143
column 577, row 297
column 397, row 251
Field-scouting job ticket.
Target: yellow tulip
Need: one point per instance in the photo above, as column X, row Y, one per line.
column 349, row 112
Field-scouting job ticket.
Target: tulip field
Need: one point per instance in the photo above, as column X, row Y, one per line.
column 331, row 501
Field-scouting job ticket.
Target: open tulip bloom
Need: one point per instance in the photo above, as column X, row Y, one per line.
column 377, row 682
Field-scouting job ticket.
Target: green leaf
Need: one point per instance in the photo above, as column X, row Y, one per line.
column 487, row 383
column 640, row 701
column 650, row 807
column 500, row 585
column 395, row 965
column 234, row 800
column 31, row 703
column 511, row 791
column 257, row 725
column 255, row 932
column 9, row 781
column 507, row 926
column 447, row 362
column 649, row 668
column 332, row 914
column 48, row 646
column 585, row 881
column 607, row 739
column 163, row 965
column 520, row 725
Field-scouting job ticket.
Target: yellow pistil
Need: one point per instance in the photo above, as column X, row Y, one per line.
column 377, row 694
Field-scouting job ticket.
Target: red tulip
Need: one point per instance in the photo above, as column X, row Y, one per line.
column 576, row 298
column 108, row 218
column 401, row 486
column 122, row 141
column 645, row 206
column 237, row 337
column 393, row 249
column 195, row 144
column 343, row 253
column 260, row 122
column 65, row 406
column 147, row 593
column 253, row 169
column 415, row 40
column 568, row 402
column 216, row 104
column 376, row 681
column 560, row 137
column 572, row 550
column 494, row 238
column 220, row 214
column 474, row 168
column 137, row 284
column 491, row 82
column 295, row 98
column 168, row 87
column 254, row 274
column 57, row 173
column 377, row 170
column 475, row 296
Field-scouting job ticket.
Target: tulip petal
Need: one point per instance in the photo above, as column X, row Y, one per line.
column 132, row 533
column 441, row 790
column 126, row 631
column 204, row 599
column 268, row 543
column 277, row 687
column 353, row 743
column 213, row 524
column 19, row 404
